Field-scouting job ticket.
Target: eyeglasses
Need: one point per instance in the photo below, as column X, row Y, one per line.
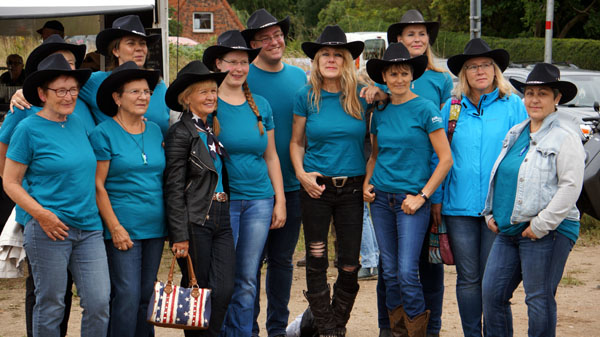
column 63, row 92
column 16, row 63
column 236, row 63
column 275, row 37
column 138, row 93
column 473, row 68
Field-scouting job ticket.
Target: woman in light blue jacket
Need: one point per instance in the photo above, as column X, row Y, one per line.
column 487, row 110
column 534, row 186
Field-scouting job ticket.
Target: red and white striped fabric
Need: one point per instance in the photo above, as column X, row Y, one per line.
column 179, row 308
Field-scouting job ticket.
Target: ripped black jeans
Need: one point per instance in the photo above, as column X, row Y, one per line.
column 345, row 205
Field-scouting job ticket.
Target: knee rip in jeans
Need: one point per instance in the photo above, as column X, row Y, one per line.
column 349, row 269
column 317, row 249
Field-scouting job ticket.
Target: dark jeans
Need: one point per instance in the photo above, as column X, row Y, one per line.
column 345, row 204
column 6, row 206
column 30, row 302
column 279, row 251
column 213, row 255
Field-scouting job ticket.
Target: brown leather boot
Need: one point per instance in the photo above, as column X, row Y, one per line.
column 397, row 322
column 417, row 327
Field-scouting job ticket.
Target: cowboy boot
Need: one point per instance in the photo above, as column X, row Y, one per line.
column 417, row 327
column 321, row 310
column 342, row 304
column 307, row 324
column 397, row 322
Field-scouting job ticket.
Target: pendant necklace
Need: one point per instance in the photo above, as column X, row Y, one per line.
column 144, row 158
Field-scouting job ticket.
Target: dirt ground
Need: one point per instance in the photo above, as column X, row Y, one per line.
column 578, row 297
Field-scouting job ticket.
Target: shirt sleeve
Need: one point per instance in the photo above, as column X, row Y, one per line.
column 300, row 103
column 267, row 114
column 100, row 144
column 11, row 120
column 447, row 89
column 21, row 147
column 434, row 119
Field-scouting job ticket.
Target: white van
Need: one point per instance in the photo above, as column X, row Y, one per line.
column 375, row 45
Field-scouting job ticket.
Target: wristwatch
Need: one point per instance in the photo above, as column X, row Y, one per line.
column 423, row 195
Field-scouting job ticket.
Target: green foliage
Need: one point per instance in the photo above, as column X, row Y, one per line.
column 358, row 15
column 278, row 8
column 175, row 27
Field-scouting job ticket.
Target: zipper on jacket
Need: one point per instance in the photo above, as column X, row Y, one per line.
column 214, row 190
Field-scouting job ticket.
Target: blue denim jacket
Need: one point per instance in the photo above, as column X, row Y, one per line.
column 550, row 177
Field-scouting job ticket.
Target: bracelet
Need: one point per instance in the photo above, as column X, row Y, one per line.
column 423, row 195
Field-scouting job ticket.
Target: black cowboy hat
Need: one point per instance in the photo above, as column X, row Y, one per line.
column 52, row 24
column 262, row 19
column 48, row 69
column 396, row 53
column 478, row 48
column 123, row 26
column 228, row 41
column 333, row 36
column 193, row 72
column 545, row 74
column 51, row 45
column 413, row 17
column 126, row 72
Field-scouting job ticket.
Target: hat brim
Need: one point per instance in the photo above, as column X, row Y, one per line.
column 44, row 50
column 355, row 48
column 248, row 34
column 500, row 57
column 433, row 28
column 104, row 98
column 375, row 67
column 105, row 37
column 212, row 53
column 185, row 80
column 38, row 78
column 567, row 89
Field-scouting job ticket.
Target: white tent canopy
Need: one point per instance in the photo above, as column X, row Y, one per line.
column 10, row 9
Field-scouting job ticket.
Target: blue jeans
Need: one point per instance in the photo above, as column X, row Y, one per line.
column 471, row 241
column 132, row 276
column 539, row 264
column 279, row 251
column 250, row 222
column 83, row 253
column 400, row 237
column 369, row 251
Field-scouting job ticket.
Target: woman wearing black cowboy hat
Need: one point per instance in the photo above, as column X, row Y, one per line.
column 129, row 194
column 63, row 230
column 255, row 182
column 534, row 186
column 482, row 114
column 407, row 129
column 196, row 198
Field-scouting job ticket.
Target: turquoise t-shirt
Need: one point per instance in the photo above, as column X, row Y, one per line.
column 61, row 168
column 435, row 86
column 279, row 88
column 157, row 112
column 505, row 190
column 134, row 188
column 404, row 148
column 335, row 139
column 246, row 167
column 217, row 161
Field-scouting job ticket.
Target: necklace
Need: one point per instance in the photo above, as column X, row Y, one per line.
column 144, row 158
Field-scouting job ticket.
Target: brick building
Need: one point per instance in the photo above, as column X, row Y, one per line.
column 203, row 19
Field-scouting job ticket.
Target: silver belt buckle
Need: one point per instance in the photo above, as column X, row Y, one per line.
column 339, row 181
column 220, row 196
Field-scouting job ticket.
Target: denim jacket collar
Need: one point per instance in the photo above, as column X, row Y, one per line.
column 547, row 124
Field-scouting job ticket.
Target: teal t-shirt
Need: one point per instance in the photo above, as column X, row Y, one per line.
column 403, row 144
column 279, row 88
column 217, row 161
column 335, row 140
column 246, row 167
column 157, row 112
column 134, row 188
column 435, row 86
column 505, row 190
column 61, row 168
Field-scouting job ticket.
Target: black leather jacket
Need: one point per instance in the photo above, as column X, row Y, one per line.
column 190, row 179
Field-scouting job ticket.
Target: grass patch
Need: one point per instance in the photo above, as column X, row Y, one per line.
column 589, row 234
column 571, row 281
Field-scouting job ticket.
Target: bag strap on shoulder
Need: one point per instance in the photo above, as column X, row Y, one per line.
column 455, row 108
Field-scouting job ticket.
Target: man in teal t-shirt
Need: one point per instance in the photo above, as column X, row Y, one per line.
column 277, row 82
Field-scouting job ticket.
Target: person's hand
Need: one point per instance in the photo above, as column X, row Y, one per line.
column 18, row 100
column 120, row 238
column 412, row 203
column 309, row 182
column 368, row 194
column 436, row 214
column 52, row 226
column 180, row 249
column 369, row 93
column 279, row 215
column 528, row 233
column 492, row 225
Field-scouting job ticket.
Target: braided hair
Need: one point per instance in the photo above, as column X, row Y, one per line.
column 253, row 106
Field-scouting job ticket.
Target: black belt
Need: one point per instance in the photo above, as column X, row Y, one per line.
column 340, row 181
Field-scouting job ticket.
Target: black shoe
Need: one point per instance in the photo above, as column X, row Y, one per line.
column 301, row 262
column 385, row 332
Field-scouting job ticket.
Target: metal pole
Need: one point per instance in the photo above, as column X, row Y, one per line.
column 475, row 19
column 549, row 24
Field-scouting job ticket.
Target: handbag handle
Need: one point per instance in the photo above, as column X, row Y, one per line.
column 193, row 282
